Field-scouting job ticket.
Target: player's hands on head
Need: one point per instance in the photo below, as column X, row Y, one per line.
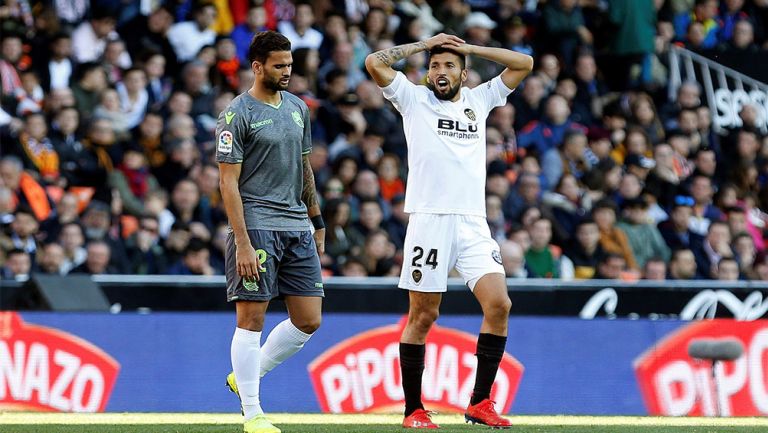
column 247, row 261
column 449, row 41
column 319, row 236
column 465, row 49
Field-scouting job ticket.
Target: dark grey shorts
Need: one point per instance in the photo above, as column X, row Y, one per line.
column 290, row 262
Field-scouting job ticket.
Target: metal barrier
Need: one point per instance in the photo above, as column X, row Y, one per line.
column 726, row 94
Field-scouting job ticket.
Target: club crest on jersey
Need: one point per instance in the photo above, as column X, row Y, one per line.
column 225, row 142
column 416, row 274
column 470, row 114
column 297, row 118
column 496, row 256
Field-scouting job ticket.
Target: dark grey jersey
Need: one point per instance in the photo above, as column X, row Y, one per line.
column 269, row 142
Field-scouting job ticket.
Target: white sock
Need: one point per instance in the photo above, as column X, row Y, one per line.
column 284, row 340
column 245, row 363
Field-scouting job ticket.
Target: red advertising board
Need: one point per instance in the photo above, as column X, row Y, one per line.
column 45, row 369
column 672, row 383
column 362, row 373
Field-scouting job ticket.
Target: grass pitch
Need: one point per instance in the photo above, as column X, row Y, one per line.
column 19, row 422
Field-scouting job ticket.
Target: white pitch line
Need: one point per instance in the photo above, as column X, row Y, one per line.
column 283, row 418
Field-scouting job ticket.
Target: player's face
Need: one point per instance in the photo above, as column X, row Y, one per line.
column 445, row 76
column 275, row 73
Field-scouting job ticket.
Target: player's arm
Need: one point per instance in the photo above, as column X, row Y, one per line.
column 379, row 64
column 309, row 197
column 518, row 65
column 229, row 183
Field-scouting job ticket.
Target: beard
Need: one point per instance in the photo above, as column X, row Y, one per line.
column 446, row 95
column 274, row 84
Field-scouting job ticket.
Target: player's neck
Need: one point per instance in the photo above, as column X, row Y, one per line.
column 267, row 96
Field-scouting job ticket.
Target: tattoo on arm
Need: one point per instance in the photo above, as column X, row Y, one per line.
column 308, row 193
column 391, row 55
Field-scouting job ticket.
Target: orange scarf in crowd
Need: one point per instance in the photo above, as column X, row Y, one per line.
column 42, row 155
column 36, row 196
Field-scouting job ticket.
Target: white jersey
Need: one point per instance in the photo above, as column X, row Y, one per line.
column 446, row 145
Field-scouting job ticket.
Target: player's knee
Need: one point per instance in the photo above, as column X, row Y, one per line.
column 423, row 319
column 498, row 308
column 309, row 326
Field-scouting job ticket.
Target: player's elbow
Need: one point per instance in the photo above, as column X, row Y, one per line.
column 371, row 62
column 528, row 63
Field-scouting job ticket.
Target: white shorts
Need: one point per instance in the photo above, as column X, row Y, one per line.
column 436, row 243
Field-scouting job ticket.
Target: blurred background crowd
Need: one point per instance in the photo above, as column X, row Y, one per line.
column 109, row 109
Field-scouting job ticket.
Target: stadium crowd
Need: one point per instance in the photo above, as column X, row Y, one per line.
column 109, row 110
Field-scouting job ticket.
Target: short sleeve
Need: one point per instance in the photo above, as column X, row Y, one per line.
column 493, row 93
column 401, row 92
column 306, row 144
column 230, row 136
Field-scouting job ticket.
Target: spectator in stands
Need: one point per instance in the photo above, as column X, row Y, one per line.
column 51, row 259
column 529, row 106
column 688, row 96
column 242, row 34
column 371, row 218
column 569, row 158
column 188, row 37
column 24, row 231
column 633, row 40
column 98, row 259
column 704, row 14
column 644, row 116
column 611, row 267
column 716, row 245
column 187, row 206
column 704, row 211
column 675, row 230
column 655, row 269
column 549, row 132
column 97, row 226
column 90, row 38
column 367, row 187
column 72, row 239
column 565, row 28
column 60, row 64
column 196, row 260
column 134, row 98
column 727, row 269
column 584, row 249
column 682, row 265
column 513, row 260
column 378, row 253
column 612, row 239
column 133, row 181
column 10, row 61
column 177, row 240
column 300, row 31
column 17, row 266
column 743, row 40
column 544, row 259
column 591, row 91
column 745, row 254
column 397, row 222
column 527, row 193
column 147, row 35
column 34, row 147
column 89, row 81
column 354, row 267
column 644, row 238
column 567, row 204
column 495, row 217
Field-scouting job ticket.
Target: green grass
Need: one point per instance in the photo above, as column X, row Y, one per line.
column 18, row 422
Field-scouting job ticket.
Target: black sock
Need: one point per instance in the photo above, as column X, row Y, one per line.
column 490, row 349
column 411, row 368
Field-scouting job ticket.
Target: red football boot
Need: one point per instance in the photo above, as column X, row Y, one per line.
column 485, row 413
column 420, row 418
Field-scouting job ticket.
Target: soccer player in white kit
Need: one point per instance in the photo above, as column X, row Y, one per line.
column 445, row 196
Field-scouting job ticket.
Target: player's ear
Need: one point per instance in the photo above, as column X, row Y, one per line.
column 464, row 75
column 256, row 66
